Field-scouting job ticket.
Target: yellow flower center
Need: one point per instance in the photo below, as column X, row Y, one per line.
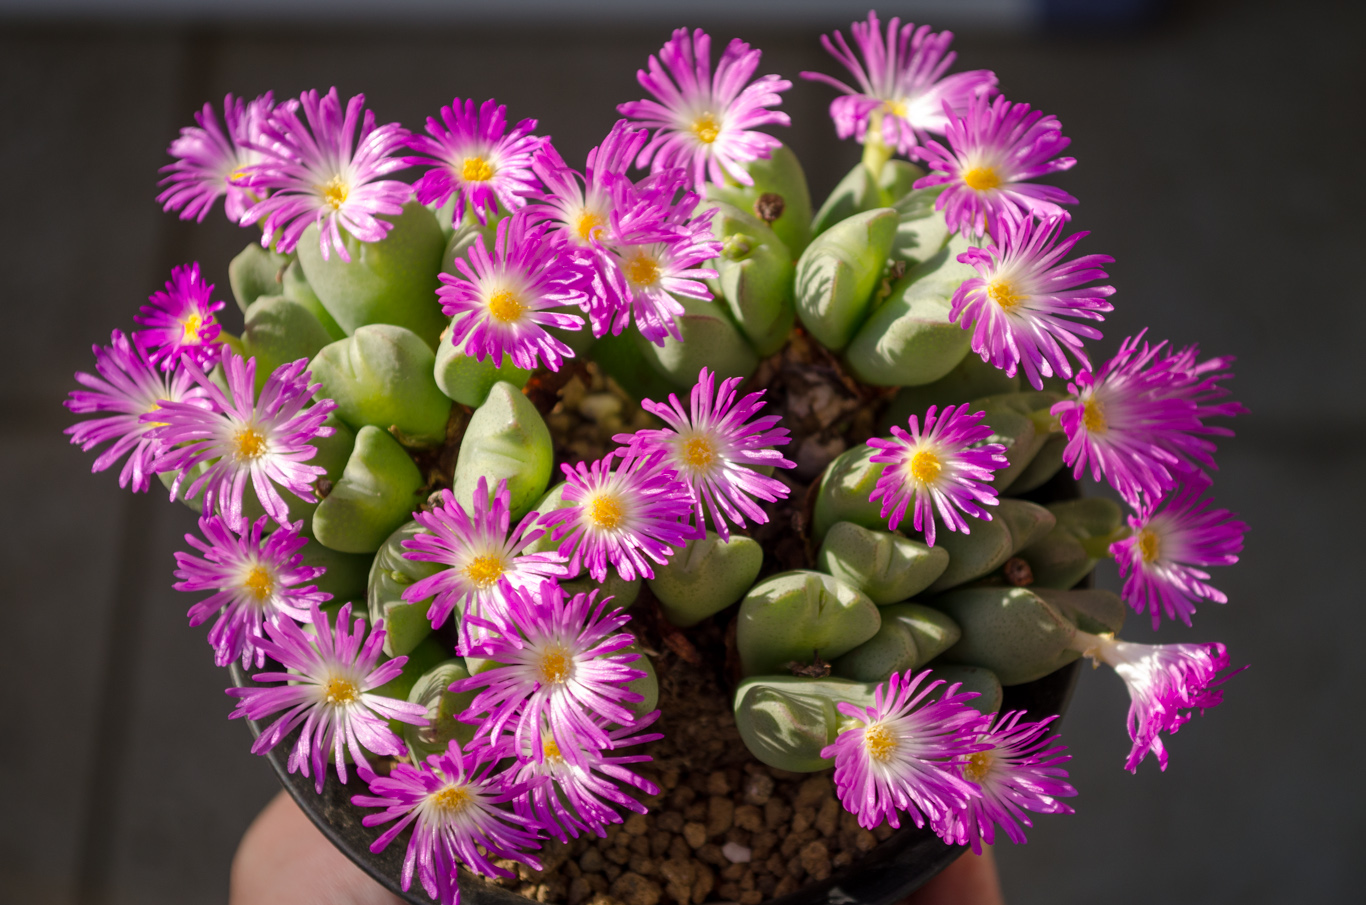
column 483, row 571
column 451, row 800
column 706, row 128
column 1093, row 417
column 981, row 179
column 1149, row 545
column 237, row 175
column 642, row 270
column 699, row 453
column 505, row 307
column 880, row 742
column 335, row 192
column 476, row 169
column 925, row 466
column 896, row 108
column 258, row 582
column 605, row 512
column 191, row 326
column 555, row 666
column 978, row 766
column 551, row 750
column 340, row 691
column 251, row 443
column 1003, row 293
column 588, row 221
column 156, row 407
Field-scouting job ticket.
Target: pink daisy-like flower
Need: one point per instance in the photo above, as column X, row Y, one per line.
column 905, row 753
column 657, row 244
column 901, row 83
column 255, row 579
column 323, row 173
column 328, row 690
column 453, row 803
column 504, row 302
column 945, row 467
column 266, row 439
column 568, row 795
column 563, row 673
column 997, row 147
column 481, row 558
column 1166, row 683
column 714, row 448
column 1016, row 308
column 180, row 321
column 704, row 123
column 1020, row 771
column 211, row 164
column 1140, row 420
column 579, row 206
column 620, row 516
column 1161, row 560
column 127, row 386
column 474, row 159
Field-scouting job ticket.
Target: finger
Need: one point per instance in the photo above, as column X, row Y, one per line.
column 284, row 860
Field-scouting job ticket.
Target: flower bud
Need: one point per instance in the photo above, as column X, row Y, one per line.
column 506, row 440
column 377, row 492
column 391, row 573
column 885, row 566
column 383, row 376
column 838, row 272
column 392, row 281
column 779, row 174
column 647, row 686
column 795, row 616
column 705, row 577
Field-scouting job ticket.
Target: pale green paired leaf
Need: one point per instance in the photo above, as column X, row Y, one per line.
column 1021, row 422
column 1083, row 530
column 1013, row 632
column 256, row 272
column 390, row 575
column 795, row 615
column 382, row 376
column 755, row 273
column 838, row 272
column 1046, row 463
column 782, row 175
column 1028, row 522
column 462, row 238
column 551, row 500
column 377, row 492
column 910, row 636
column 971, row 378
column 421, row 659
column 982, row 550
column 977, row 679
column 886, row 566
column 392, row 281
column 844, row 490
column 709, row 339
column 910, row 340
column 785, row 721
column 467, row 380
column 432, row 690
column 1093, row 610
column 506, row 440
column 621, row 358
column 347, row 573
column 921, row 230
column 705, row 577
column 295, row 286
column 647, row 686
column 933, row 631
column 280, row 330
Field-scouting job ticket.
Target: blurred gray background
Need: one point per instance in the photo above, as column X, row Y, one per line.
column 1220, row 149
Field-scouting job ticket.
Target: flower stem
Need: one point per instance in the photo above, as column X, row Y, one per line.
column 875, row 153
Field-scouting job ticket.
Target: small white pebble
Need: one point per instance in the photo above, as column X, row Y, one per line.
column 735, row 853
column 598, row 406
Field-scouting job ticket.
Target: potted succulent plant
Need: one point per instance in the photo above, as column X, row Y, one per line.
column 655, row 537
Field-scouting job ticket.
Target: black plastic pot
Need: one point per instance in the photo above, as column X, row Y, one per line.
column 896, row 868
